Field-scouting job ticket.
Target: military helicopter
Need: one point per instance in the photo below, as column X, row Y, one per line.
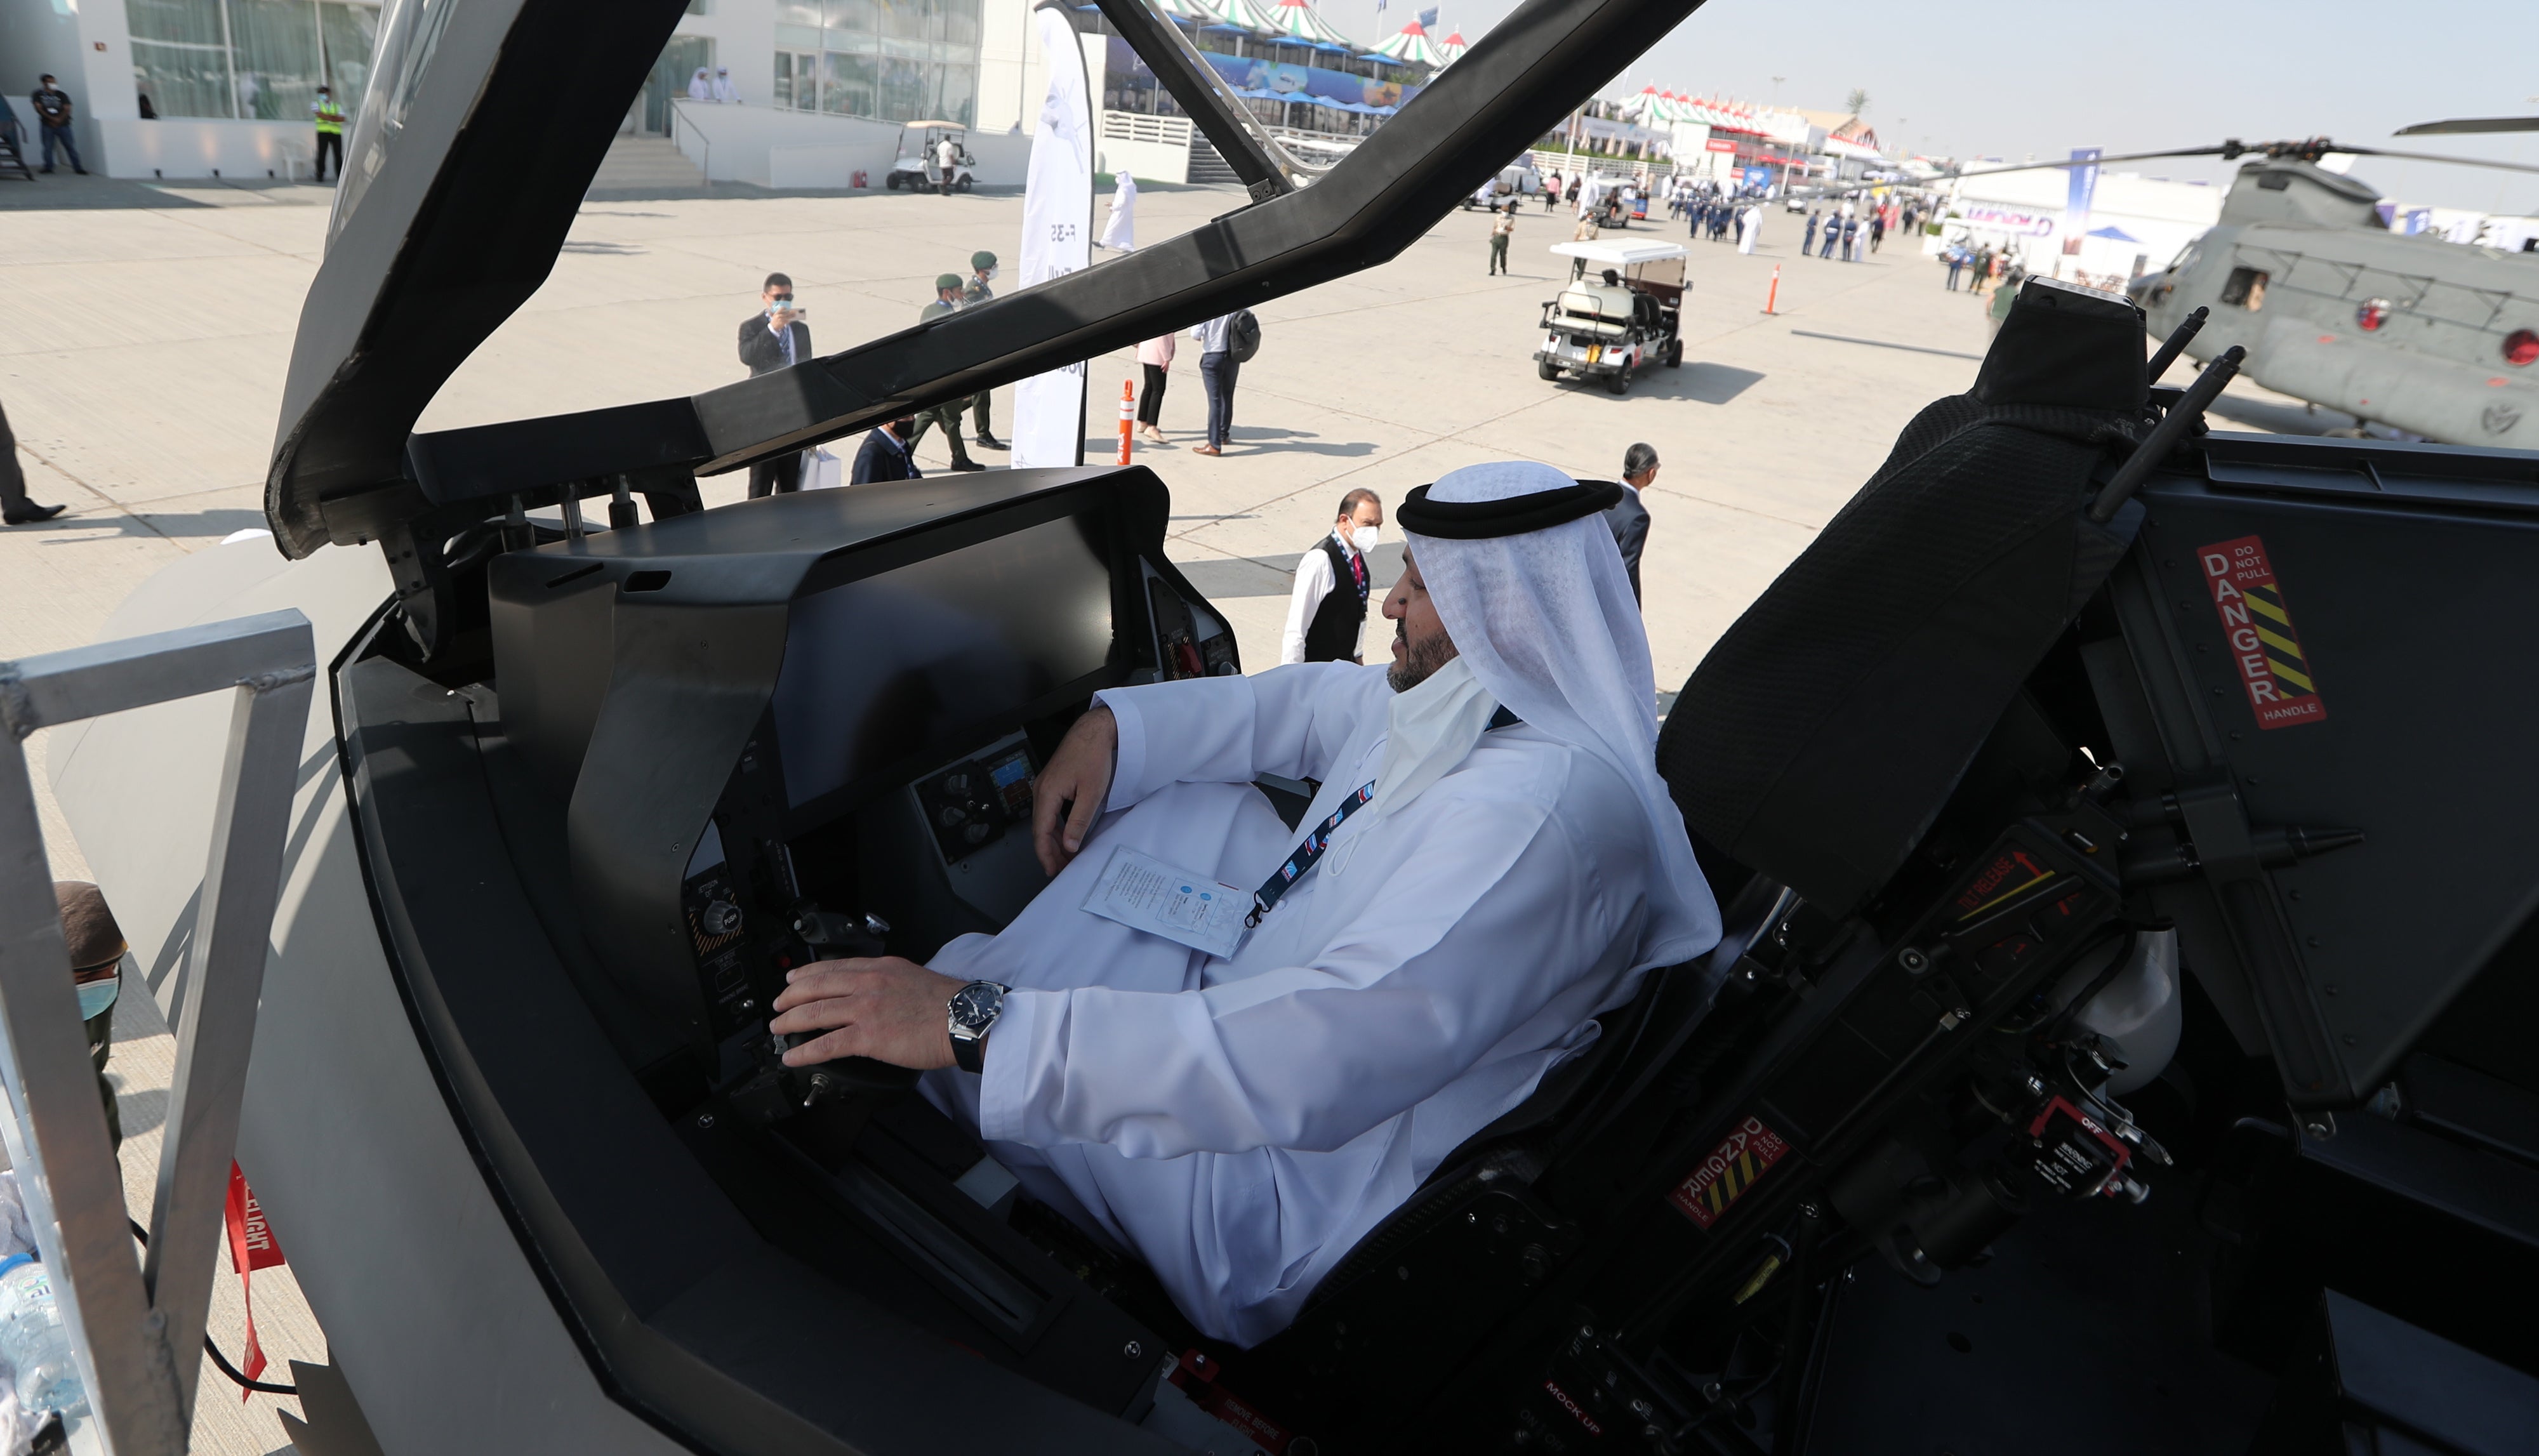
column 2408, row 331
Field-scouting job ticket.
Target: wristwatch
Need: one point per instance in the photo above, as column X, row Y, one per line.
column 969, row 1018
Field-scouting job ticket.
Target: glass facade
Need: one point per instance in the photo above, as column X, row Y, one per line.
column 249, row 59
column 892, row 61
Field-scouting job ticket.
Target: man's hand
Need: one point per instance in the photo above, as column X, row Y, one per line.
column 1073, row 787
column 887, row 1009
column 781, row 320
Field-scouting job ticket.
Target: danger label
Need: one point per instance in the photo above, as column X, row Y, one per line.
column 2257, row 624
column 1721, row 1178
column 2005, row 879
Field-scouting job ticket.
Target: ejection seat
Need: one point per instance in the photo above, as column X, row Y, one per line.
column 1812, row 752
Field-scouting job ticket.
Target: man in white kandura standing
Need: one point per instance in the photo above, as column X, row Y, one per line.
column 1238, row 1084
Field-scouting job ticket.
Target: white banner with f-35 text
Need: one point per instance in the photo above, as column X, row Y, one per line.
column 1058, row 229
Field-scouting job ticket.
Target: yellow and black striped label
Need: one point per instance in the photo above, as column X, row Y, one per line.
column 1717, row 1181
column 2258, row 626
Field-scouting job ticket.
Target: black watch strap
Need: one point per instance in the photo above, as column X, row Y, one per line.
column 970, row 1017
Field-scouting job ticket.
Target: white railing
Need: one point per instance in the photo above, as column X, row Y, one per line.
column 1136, row 126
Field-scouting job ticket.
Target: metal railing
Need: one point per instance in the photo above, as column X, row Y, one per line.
column 678, row 119
column 138, row 1325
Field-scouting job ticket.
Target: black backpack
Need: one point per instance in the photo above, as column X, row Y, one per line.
column 1243, row 336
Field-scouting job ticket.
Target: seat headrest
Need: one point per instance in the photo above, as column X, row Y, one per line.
column 2066, row 345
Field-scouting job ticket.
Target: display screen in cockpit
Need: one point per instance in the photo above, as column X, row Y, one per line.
column 909, row 661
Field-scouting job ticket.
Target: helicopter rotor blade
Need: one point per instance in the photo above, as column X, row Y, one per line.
column 2430, row 157
column 2468, row 125
column 2086, row 161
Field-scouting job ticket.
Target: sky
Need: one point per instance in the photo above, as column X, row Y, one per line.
column 2038, row 80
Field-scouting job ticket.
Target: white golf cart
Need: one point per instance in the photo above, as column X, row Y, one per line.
column 916, row 168
column 1516, row 183
column 1610, row 331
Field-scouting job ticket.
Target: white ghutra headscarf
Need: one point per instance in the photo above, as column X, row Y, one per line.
column 1542, row 618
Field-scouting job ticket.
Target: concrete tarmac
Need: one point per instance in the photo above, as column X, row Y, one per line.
column 145, row 333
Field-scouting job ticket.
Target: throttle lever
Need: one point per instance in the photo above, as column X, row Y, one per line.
column 837, row 936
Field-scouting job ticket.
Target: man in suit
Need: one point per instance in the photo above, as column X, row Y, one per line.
column 15, row 506
column 884, row 454
column 1627, row 517
column 773, row 338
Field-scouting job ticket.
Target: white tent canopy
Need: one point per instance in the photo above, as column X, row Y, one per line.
column 1411, row 45
column 1241, row 14
column 1299, row 19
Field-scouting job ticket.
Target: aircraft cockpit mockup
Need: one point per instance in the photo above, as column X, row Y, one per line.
column 2126, row 986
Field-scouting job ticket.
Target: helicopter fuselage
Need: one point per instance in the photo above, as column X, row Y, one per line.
column 2410, row 331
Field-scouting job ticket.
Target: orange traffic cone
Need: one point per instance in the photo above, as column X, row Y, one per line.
column 1128, row 416
column 1773, row 299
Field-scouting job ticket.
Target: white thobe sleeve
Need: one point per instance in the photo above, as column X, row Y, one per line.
column 1314, row 582
column 1288, row 721
column 1500, row 911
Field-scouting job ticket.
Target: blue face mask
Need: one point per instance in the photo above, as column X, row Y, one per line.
column 97, row 996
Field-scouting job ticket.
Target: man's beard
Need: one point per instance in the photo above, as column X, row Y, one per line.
column 1419, row 660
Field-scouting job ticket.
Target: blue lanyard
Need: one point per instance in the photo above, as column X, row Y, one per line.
column 1267, row 898
column 1277, row 884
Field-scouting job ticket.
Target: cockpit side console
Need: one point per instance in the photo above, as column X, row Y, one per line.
column 748, row 711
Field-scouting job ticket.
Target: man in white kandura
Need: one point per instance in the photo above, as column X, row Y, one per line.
column 1491, row 863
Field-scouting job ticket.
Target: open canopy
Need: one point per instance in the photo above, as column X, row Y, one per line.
column 439, row 234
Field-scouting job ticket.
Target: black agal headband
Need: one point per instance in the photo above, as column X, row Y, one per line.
column 1482, row 521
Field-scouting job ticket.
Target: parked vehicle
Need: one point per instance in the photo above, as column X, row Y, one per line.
column 1610, row 331
column 1517, row 181
column 915, row 167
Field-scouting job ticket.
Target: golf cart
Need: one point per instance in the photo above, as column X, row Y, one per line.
column 916, row 170
column 1607, row 331
column 1516, row 183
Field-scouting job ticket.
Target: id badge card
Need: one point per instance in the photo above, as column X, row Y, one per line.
column 1147, row 894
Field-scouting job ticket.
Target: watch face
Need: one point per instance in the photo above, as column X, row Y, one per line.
column 976, row 1006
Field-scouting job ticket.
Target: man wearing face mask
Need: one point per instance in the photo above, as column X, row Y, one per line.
column 1326, row 611
column 96, row 965
column 1238, row 1084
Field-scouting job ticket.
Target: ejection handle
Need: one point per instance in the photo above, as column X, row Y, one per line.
column 2175, row 344
column 2164, row 436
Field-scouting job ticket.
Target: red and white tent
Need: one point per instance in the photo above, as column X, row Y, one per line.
column 1452, row 48
column 1412, row 46
column 1299, row 19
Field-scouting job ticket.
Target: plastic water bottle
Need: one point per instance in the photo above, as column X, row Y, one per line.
column 35, row 1344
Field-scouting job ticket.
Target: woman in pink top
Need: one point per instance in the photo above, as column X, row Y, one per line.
column 1155, row 357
